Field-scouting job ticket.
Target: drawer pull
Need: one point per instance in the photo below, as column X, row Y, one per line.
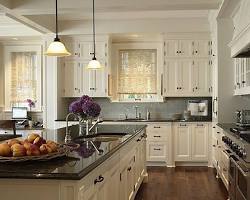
column 157, row 136
column 129, row 169
column 214, row 145
column 183, row 124
column 138, row 140
column 200, row 125
column 157, row 127
column 157, row 149
column 99, row 179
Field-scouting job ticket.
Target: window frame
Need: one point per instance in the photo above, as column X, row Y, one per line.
column 7, row 68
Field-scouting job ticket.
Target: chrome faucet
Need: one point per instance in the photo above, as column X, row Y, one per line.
column 99, row 120
column 68, row 138
column 136, row 112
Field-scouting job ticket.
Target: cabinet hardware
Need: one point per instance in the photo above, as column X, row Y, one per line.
column 129, row 169
column 177, row 51
column 99, row 179
column 183, row 124
column 136, row 99
column 157, row 149
column 196, row 51
column 75, row 88
column 193, row 89
column 181, row 51
column 218, row 132
column 196, row 88
column 157, row 127
column 243, row 82
column 157, row 136
column 200, row 125
column 209, row 90
column 213, row 126
column 162, row 83
column 120, row 177
column 214, row 145
column 91, row 53
column 138, row 140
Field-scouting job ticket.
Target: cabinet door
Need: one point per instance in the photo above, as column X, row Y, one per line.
column 112, row 189
column 171, row 48
column 71, row 79
column 201, row 78
column 185, row 48
column 73, row 47
column 89, row 194
column 100, row 81
column 183, row 142
column 156, row 151
column 201, row 48
column 131, row 178
column 237, row 77
column 185, row 77
column 123, row 183
column 170, row 74
column 87, row 80
column 200, row 142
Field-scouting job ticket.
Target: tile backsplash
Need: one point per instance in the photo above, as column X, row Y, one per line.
column 164, row 109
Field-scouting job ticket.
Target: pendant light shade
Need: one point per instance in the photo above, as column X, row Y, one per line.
column 57, row 48
column 94, row 64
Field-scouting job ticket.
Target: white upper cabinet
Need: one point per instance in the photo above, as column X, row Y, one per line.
column 187, row 68
column 242, row 76
column 201, row 48
column 178, row 48
column 201, row 78
column 187, row 48
column 78, row 80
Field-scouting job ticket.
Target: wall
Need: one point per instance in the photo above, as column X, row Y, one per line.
column 1, row 78
column 163, row 110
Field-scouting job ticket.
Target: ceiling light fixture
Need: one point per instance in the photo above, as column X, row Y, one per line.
column 94, row 64
column 57, row 48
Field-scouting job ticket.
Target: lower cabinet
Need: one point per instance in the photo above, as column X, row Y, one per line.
column 191, row 142
column 118, row 178
column 159, row 142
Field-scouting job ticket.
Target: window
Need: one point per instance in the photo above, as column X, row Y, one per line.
column 22, row 76
column 137, row 73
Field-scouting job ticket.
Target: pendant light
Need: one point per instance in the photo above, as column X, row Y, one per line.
column 57, row 48
column 94, row 64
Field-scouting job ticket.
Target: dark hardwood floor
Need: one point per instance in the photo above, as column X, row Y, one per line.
column 182, row 183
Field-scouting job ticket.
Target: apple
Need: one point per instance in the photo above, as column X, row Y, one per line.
column 18, row 150
column 39, row 141
column 27, row 145
column 5, row 149
column 52, row 145
column 33, row 150
column 32, row 137
column 13, row 141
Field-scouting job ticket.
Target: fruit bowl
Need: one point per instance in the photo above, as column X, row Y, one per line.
column 62, row 150
column 34, row 147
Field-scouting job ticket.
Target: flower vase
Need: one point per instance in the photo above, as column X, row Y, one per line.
column 88, row 123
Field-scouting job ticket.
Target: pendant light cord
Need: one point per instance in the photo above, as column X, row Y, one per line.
column 57, row 38
column 94, row 58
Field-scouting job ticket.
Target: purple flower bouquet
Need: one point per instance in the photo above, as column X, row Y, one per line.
column 85, row 107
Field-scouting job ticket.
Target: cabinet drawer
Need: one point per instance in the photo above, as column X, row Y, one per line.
column 156, row 151
column 158, row 132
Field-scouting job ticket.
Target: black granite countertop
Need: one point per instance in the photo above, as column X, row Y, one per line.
column 226, row 126
column 78, row 163
column 150, row 120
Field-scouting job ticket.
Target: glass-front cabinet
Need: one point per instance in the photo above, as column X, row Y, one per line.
column 137, row 73
column 242, row 76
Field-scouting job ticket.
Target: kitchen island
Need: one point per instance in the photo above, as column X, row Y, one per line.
column 106, row 170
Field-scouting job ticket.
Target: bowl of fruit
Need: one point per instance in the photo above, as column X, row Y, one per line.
column 34, row 147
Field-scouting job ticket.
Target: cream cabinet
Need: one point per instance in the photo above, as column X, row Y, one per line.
column 159, row 143
column 242, row 76
column 78, row 80
column 191, row 142
column 187, row 48
column 187, row 77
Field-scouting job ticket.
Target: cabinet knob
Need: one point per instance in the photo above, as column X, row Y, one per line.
column 243, row 82
column 129, row 169
column 196, row 51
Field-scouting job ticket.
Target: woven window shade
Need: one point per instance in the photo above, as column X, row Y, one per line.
column 137, row 71
column 23, row 77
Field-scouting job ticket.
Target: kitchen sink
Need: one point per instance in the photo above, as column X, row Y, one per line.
column 100, row 137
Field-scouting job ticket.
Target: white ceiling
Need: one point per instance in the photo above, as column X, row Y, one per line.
column 11, row 28
column 41, row 12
